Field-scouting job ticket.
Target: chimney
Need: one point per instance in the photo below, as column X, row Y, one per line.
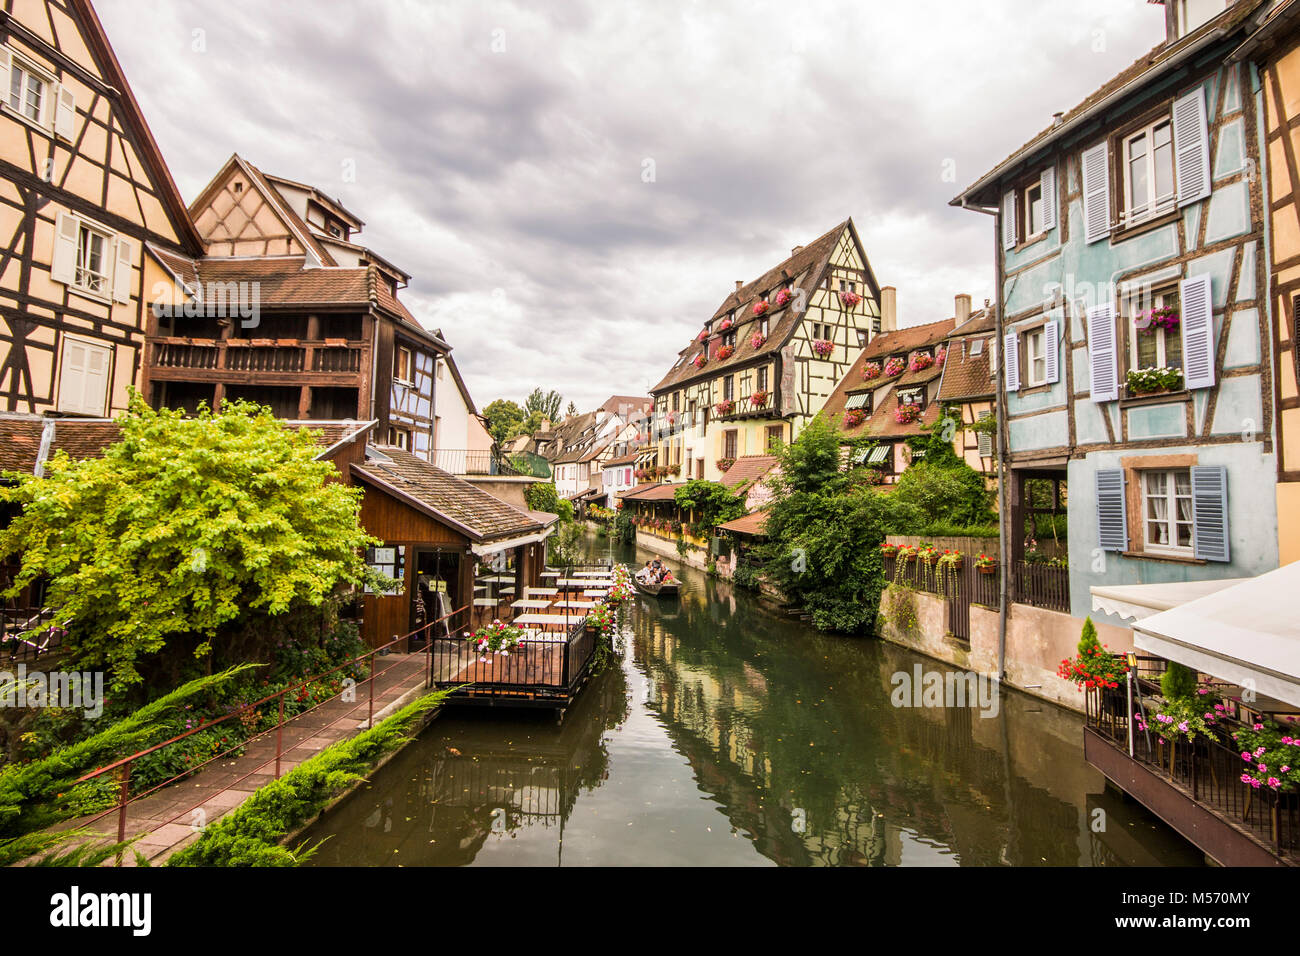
column 739, row 283
column 889, row 309
column 1057, row 119
column 795, row 250
column 962, row 306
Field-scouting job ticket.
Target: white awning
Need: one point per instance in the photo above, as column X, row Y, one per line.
column 1137, row 601
column 1247, row 634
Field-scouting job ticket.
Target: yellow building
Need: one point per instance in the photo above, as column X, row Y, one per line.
column 84, row 198
column 768, row 358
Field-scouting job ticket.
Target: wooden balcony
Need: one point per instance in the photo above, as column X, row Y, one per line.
column 257, row 361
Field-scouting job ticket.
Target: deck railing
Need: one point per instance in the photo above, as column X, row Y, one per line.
column 256, row 355
column 1035, row 584
column 473, row 461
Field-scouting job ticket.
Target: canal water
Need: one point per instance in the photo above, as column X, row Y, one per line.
column 730, row 734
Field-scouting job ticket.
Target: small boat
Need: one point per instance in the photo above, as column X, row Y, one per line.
column 662, row 589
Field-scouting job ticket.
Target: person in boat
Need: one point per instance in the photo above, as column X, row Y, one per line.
column 646, row 574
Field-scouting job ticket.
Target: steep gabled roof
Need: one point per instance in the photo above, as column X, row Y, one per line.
column 748, row 469
column 967, row 376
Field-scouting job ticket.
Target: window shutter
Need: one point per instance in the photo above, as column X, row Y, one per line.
column 122, row 270
column 65, row 117
column 1198, row 331
column 1051, row 350
column 1009, row 219
column 63, row 264
column 1210, row 512
column 1104, row 383
column 985, row 442
column 1191, row 147
column 1047, row 183
column 72, row 376
column 96, row 381
column 6, row 70
column 1112, row 511
column 1096, row 194
column 1011, row 349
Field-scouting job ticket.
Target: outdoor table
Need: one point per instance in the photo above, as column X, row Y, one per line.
column 531, row 604
column 575, row 605
column 596, row 593
column 531, row 591
column 484, row 602
column 541, row 620
column 549, row 574
column 591, row 574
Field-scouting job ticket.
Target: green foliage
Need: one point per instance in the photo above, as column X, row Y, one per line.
column 250, row 834
column 952, row 492
column 811, row 462
column 937, row 442
column 951, row 529
column 184, row 525
column 624, row 528
column 542, row 496
column 505, row 420
column 747, row 575
column 544, row 404
column 712, row 503
column 1093, row 666
column 565, row 547
column 1178, row 682
column 898, row 610
column 1271, row 756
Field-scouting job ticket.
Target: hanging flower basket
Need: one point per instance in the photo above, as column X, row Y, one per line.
column 920, row 362
column 985, row 565
column 760, row 306
column 850, row 299
column 759, row 399
column 725, row 407
column 700, row 361
column 1165, row 318
column 907, row 413
column 784, row 296
column 871, row 370
column 893, row 366
column 726, row 352
column 854, row 417
column 888, row 550
column 725, row 464
column 906, row 553
column 823, row 347
column 756, row 340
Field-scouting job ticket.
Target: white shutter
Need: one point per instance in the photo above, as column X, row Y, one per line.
column 1096, row 193
column 122, row 270
column 985, row 442
column 65, row 118
column 63, row 263
column 1101, row 354
column 1011, row 350
column 6, row 69
column 1198, row 332
column 1112, row 511
column 1051, row 350
column 1009, row 219
column 1191, row 147
column 96, row 381
column 1047, row 185
column 72, row 376
column 1210, row 512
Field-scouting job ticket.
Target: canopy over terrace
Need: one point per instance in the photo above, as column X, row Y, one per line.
column 1239, row 630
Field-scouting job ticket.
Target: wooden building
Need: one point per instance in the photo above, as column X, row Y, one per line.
column 84, row 196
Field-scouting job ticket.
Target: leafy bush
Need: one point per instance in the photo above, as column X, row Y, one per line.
column 952, row 492
column 711, row 502
column 1177, row 682
column 542, row 496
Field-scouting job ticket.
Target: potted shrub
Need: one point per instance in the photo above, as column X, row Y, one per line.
column 725, row 324
column 854, row 417
column 893, row 365
column 823, row 347
column 871, row 370
column 726, row 352
column 1146, row 381
column 756, row 340
column 496, row 638
column 888, row 549
column 704, row 334
column 700, row 360
column 1093, row 667
column 1271, row 755
column 760, row 306
column 759, row 399
column 850, row 299
column 1162, row 318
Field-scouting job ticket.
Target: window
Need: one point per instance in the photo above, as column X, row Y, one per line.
column 1153, row 346
column 911, row 396
column 762, row 379
column 729, row 338
column 762, row 326
column 729, row 443
column 402, row 364
column 27, row 92
column 775, row 435
column 92, row 259
column 1167, row 510
column 976, row 347
column 699, row 468
column 399, row 437
column 1029, row 208
column 390, row 561
column 1032, row 210
column 862, row 338
column 83, row 376
column 1190, row 14
column 861, row 400
column 1147, row 172
column 729, row 388
column 1035, row 357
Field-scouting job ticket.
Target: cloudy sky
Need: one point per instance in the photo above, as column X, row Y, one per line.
column 502, row 151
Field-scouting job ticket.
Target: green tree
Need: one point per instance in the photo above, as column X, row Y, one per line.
column 953, row 492
column 710, row 503
column 547, row 404
column 184, row 525
column 505, row 420
column 542, row 496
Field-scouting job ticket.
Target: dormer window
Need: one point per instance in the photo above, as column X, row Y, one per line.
column 1190, row 14
column 911, row 396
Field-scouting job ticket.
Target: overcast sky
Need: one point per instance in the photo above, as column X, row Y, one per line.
column 501, row 150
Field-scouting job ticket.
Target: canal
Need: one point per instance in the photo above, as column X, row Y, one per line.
column 729, row 734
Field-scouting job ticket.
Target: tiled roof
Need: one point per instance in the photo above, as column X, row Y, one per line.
column 618, row 404
column 881, row 424
column 447, row 498
column 652, row 491
column 1232, row 18
column 902, row 341
column 752, row 524
column 807, row 266
column 628, row 459
column 748, row 469
column 966, row 376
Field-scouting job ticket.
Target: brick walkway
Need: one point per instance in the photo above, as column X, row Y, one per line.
column 169, row 818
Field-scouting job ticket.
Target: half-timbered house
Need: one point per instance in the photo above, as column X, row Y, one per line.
column 768, row 358
column 967, row 385
column 84, row 194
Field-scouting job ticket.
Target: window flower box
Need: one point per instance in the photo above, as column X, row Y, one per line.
column 940, row 354
column 850, row 299
column 783, row 297
column 704, row 334
column 726, row 352
column 889, row 550
column 1162, row 318
column 760, row 306
column 920, row 362
column 823, row 347
column 724, row 464
column 985, row 565
column 756, row 340
column 907, row 413
column 1147, row 381
column 854, row 417
column 725, row 407
column 906, row 554
column 725, row 324
column 893, row 366
column 700, row 360
column 871, row 370
column 759, row 399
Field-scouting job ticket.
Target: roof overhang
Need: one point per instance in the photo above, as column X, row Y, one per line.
column 484, row 548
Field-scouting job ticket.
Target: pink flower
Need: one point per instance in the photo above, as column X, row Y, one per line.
column 1274, row 782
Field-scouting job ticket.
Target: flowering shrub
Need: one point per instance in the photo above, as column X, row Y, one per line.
column 894, row 365
column 759, row 399
column 1144, row 380
column 725, row 406
column 854, row 417
column 496, row 638
column 1093, row 665
column 760, row 306
column 756, row 340
column 919, row 362
column 602, row 617
column 871, row 370
column 700, row 361
column 726, row 352
column 725, row 463
column 850, row 299
column 1272, row 757
column 1185, row 718
column 1164, row 318
column 907, row 413
column 622, row 589
column 940, row 354
column 823, row 347
column 784, row 296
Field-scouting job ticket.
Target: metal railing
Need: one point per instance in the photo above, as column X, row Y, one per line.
column 1038, row 585
column 472, row 461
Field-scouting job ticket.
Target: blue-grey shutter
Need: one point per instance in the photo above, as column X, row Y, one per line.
column 1096, row 193
column 1047, row 182
column 1198, row 331
column 1210, row 512
column 1112, row 511
column 1051, row 350
column 1191, row 147
column 1104, row 373
column 1009, row 219
column 1011, row 356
